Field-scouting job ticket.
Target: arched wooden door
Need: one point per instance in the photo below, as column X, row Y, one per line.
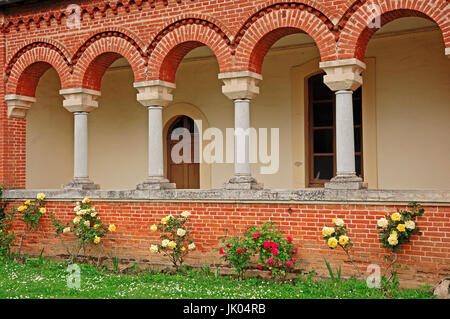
column 186, row 175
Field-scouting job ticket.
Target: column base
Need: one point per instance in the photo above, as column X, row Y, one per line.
column 156, row 184
column 243, row 182
column 81, row 184
column 346, row 182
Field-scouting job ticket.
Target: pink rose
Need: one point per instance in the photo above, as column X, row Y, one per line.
column 274, row 245
column 221, row 250
column 288, row 263
column 295, row 249
column 279, row 263
column 289, row 239
column 270, row 261
column 293, row 259
column 225, row 256
column 275, row 252
column 266, row 245
column 256, row 235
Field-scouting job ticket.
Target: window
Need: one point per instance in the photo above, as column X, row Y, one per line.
column 322, row 131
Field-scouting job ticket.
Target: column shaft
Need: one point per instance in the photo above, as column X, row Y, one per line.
column 81, row 145
column 345, row 141
column 155, row 143
column 242, row 137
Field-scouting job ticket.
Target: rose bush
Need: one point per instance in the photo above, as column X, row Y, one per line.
column 86, row 226
column 175, row 238
column 236, row 252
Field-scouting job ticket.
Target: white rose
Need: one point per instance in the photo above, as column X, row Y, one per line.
column 66, row 230
column 383, row 223
column 339, row 222
column 410, row 225
column 77, row 209
column 181, row 232
column 87, row 223
column 165, row 242
column 153, row 249
column 76, row 220
column 185, row 214
column 191, row 246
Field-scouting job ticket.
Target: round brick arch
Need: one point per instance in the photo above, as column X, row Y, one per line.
column 356, row 34
column 170, row 47
column 272, row 25
column 27, row 70
column 99, row 55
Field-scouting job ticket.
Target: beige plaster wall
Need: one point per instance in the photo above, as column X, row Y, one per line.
column 412, row 111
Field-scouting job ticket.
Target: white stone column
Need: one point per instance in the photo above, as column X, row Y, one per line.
column 155, row 95
column 80, row 102
column 241, row 87
column 343, row 77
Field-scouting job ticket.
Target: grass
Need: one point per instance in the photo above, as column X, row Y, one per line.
column 40, row 278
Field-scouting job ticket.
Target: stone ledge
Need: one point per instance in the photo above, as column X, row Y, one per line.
column 318, row 195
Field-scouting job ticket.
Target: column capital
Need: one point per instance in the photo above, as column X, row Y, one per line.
column 447, row 52
column 343, row 74
column 80, row 99
column 18, row 105
column 240, row 85
column 154, row 93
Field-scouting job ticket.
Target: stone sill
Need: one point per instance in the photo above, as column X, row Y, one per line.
column 308, row 196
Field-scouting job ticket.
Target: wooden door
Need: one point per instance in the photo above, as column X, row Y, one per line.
column 186, row 175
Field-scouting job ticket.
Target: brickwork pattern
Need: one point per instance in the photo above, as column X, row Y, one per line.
column 427, row 256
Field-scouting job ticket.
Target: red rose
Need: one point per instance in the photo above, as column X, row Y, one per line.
column 260, row 267
column 221, row 251
column 239, row 251
column 289, row 239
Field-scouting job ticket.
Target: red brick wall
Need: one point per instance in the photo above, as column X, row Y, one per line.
column 427, row 256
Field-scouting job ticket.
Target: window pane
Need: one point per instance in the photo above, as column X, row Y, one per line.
column 358, row 164
column 320, row 90
column 323, row 141
column 323, row 167
column 357, row 139
column 323, row 114
column 357, row 112
column 358, row 92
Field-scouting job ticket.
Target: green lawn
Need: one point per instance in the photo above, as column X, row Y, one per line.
column 49, row 280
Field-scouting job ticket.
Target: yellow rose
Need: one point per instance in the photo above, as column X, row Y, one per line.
column 327, row 231
column 154, row 228
column 164, row 220
column 28, row 202
column 22, row 208
column 392, row 240
column 40, row 196
column 343, row 240
column 191, row 246
column 172, row 245
column 332, row 242
column 86, row 200
column 93, row 214
column 96, row 225
column 393, row 234
column 183, row 249
column 97, row 240
column 76, row 220
column 43, row 210
column 396, row 217
column 401, row 227
column 112, row 228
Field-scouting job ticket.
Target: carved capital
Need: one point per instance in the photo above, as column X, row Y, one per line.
column 80, row 99
column 154, row 93
column 240, row 85
column 343, row 74
column 18, row 105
